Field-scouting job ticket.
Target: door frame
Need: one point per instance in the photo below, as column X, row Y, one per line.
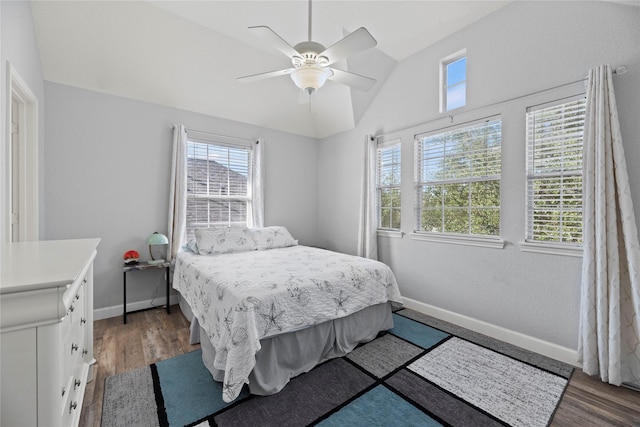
column 28, row 202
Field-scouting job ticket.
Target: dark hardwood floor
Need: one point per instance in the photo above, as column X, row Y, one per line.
column 153, row 335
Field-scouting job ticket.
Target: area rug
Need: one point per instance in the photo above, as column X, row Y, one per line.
column 423, row 372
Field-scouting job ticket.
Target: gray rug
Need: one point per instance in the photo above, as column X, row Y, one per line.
column 423, row 372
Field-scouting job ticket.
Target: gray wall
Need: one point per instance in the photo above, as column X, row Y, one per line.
column 20, row 49
column 108, row 162
column 524, row 48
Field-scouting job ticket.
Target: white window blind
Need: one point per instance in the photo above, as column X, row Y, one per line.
column 458, row 179
column 554, row 172
column 388, row 178
column 217, row 183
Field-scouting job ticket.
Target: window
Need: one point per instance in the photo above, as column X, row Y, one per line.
column 453, row 76
column 217, row 184
column 554, row 172
column 388, row 185
column 458, row 179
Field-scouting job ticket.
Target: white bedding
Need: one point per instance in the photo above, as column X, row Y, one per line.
column 242, row 297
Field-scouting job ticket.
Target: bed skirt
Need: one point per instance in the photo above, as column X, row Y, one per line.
column 283, row 357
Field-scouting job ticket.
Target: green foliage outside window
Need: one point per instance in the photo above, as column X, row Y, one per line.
column 460, row 188
column 388, row 177
column 554, row 165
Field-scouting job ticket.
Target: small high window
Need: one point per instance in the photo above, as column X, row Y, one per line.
column 453, row 76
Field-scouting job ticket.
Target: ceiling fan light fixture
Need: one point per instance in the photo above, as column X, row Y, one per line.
column 310, row 79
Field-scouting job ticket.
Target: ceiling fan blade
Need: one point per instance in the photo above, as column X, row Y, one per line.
column 355, row 42
column 254, row 77
column 275, row 40
column 357, row 81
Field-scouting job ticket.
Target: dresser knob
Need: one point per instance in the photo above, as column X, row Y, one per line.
column 83, row 320
column 72, row 406
column 77, row 296
column 74, row 347
column 71, row 308
column 76, row 384
column 84, row 352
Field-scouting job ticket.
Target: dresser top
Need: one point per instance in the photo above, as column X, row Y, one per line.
column 43, row 264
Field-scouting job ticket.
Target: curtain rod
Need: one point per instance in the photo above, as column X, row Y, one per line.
column 618, row 71
column 218, row 135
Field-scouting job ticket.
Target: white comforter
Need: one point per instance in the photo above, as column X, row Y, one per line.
column 243, row 297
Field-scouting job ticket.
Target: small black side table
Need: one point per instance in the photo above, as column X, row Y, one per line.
column 144, row 266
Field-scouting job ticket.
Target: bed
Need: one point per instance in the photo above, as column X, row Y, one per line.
column 267, row 309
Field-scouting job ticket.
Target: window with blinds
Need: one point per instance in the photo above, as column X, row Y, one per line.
column 388, row 175
column 458, row 179
column 217, row 183
column 554, row 172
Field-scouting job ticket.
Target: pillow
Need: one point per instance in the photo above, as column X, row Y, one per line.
column 273, row 237
column 226, row 240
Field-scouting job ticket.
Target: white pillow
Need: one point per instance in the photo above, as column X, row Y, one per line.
column 273, row 237
column 226, row 240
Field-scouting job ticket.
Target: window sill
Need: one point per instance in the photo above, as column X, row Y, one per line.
column 485, row 242
column 395, row 234
column 552, row 249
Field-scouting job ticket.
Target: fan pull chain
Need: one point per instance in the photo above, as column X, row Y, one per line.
column 309, row 20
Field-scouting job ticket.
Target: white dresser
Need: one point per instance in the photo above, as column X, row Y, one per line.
column 46, row 331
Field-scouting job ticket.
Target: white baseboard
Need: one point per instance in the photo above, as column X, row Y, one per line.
column 116, row 310
column 545, row 348
column 537, row 345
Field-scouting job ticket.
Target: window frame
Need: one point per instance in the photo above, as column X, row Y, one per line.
column 392, row 144
column 444, row 74
column 530, row 244
column 194, row 137
column 485, row 240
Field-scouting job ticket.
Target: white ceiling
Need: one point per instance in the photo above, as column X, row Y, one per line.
column 187, row 54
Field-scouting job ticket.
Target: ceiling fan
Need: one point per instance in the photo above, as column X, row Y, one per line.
column 311, row 61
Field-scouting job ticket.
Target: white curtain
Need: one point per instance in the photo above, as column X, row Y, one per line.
column 177, row 192
column 255, row 212
column 368, row 228
column 609, row 341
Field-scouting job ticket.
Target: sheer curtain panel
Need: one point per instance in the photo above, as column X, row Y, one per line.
column 609, row 341
column 255, row 212
column 177, row 192
column 368, row 228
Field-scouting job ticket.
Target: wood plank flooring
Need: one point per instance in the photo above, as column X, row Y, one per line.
column 153, row 335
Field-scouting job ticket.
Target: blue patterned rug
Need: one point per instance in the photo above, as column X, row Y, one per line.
column 424, row 372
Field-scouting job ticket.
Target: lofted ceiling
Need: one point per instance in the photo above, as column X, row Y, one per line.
column 188, row 54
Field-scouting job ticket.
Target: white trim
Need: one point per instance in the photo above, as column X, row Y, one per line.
column 227, row 141
column 28, row 174
column 546, row 348
column 384, row 142
column 117, row 311
column 485, row 242
column 395, row 234
column 552, row 249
